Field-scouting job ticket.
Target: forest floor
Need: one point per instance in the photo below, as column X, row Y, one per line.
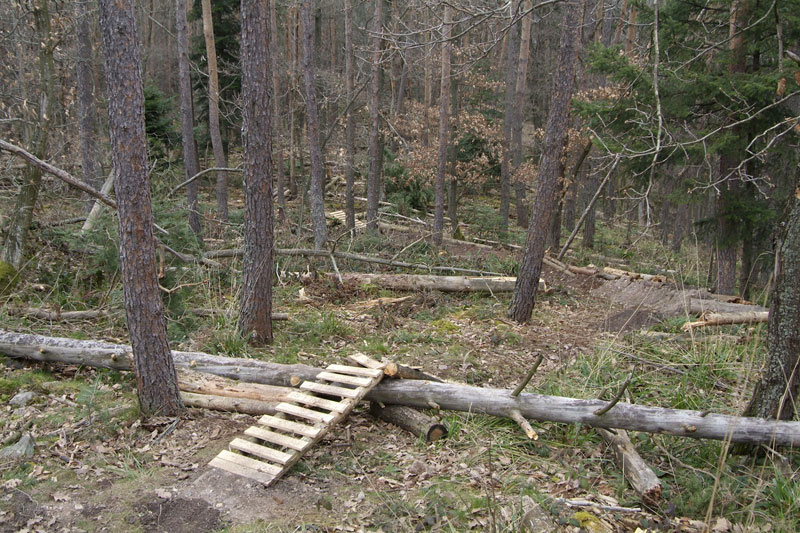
column 99, row 467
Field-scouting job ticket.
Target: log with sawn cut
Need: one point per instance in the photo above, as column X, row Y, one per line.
column 699, row 306
column 412, row 282
column 641, row 477
column 722, row 319
column 420, row 394
column 413, row 421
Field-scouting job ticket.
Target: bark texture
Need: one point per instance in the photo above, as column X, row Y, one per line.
column 255, row 320
column 444, row 128
column 84, row 83
column 156, row 382
column 373, row 178
column 520, row 97
column 776, row 393
column 276, row 115
column 213, row 111
column 350, row 128
column 312, row 125
column 187, row 116
column 512, row 45
column 549, row 168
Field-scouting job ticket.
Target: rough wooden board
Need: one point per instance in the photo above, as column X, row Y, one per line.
column 316, row 401
column 342, row 378
column 289, row 426
column 247, row 462
column 333, row 390
column 355, row 370
column 239, row 470
column 259, row 450
column 302, row 412
column 279, row 438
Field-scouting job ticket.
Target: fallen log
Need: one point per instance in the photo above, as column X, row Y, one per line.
column 701, row 306
column 658, row 278
column 414, row 282
column 420, row 394
column 641, row 477
column 209, row 311
column 416, row 423
column 722, row 319
column 228, row 403
column 57, row 316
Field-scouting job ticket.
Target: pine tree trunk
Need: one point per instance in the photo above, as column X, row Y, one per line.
column 444, row 128
column 520, row 97
column 312, row 126
column 255, row 319
column 373, row 179
column 452, row 183
column 156, row 381
column 22, row 216
column 276, row 114
column 555, row 138
column 187, row 117
column 350, row 128
column 511, row 53
column 213, row 112
column 589, row 223
column 86, row 104
column 776, row 393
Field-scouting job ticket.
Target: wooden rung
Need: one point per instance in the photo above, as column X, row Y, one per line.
column 356, row 370
column 302, row 412
column 264, row 452
column 240, row 470
column 365, row 361
column 289, row 426
column 333, row 390
column 316, row 401
column 279, row 438
column 255, row 464
column 341, row 378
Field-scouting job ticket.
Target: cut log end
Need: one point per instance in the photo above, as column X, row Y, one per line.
column 411, row 420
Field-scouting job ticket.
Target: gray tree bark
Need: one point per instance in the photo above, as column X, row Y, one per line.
column 444, row 128
column 255, row 318
column 549, row 168
column 512, row 45
column 373, row 179
column 520, row 97
column 156, row 381
column 312, row 126
column 276, row 114
column 350, row 128
column 86, row 105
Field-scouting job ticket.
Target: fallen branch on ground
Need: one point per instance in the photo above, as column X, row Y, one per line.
column 641, row 477
column 415, row 282
column 416, row 423
column 421, row 394
column 722, row 319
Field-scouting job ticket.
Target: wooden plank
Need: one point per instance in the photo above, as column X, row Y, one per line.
column 289, row 426
column 349, row 380
column 302, row 412
column 316, row 401
column 264, row 452
column 333, row 390
column 355, row 370
column 254, row 464
column 280, row 439
column 239, row 470
column 365, row 361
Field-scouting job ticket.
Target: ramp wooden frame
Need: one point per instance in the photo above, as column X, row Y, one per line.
column 272, row 447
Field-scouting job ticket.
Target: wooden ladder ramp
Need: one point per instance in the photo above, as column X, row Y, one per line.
column 272, row 447
column 342, row 217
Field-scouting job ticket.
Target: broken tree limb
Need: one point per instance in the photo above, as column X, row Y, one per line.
column 411, row 420
column 57, row 316
column 722, row 319
column 97, row 207
column 638, row 473
column 200, row 175
column 421, row 394
column 517, row 417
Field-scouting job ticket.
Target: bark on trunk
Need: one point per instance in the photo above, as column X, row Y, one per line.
column 312, row 125
column 187, row 117
column 373, row 179
column 276, row 115
column 444, row 128
column 547, row 183
column 520, row 97
column 86, row 104
column 20, row 223
column 156, row 383
column 350, row 128
column 213, row 111
column 255, row 318
column 419, row 394
column 512, row 45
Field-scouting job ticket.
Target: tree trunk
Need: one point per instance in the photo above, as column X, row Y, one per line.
column 589, row 224
column 452, row 183
column 255, row 318
column 350, row 128
column 20, row 223
column 520, row 97
column 420, row 393
column 512, row 45
column 86, row 105
column 187, row 117
column 156, row 382
column 549, row 169
column 444, row 128
column 776, row 393
column 276, row 114
column 213, row 112
column 679, row 227
column 312, row 126
column 373, row 179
